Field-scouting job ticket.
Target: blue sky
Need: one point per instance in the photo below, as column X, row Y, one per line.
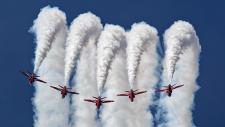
column 17, row 47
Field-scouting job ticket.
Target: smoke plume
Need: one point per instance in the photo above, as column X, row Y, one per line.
column 142, row 61
column 114, row 61
column 85, row 27
column 182, row 58
column 137, row 38
column 180, row 41
column 84, row 34
column 45, row 27
column 50, row 109
column 108, row 44
column 118, row 113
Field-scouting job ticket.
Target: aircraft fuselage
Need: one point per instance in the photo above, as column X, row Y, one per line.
column 98, row 103
column 64, row 92
column 170, row 90
column 131, row 95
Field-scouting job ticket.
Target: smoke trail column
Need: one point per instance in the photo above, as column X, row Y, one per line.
column 137, row 38
column 142, row 62
column 181, row 62
column 118, row 113
column 108, row 44
column 85, row 27
column 45, row 28
column 50, row 29
column 81, row 50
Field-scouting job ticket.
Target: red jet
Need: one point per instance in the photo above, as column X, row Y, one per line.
column 64, row 90
column 31, row 77
column 169, row 89
column 131, row 94
column 98, row 101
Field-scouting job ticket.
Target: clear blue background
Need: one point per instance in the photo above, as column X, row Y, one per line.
column 17, row 47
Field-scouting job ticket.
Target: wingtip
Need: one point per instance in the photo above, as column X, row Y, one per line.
column 21, row 71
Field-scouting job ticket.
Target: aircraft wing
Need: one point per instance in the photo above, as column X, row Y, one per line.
column 174, row 85
column 122, row 94
column 39, row 80
column 140, row 92
column 162, row 90
column 72, row 92
column 108, row 101
column 89, row 100
column 55, row 88
column 177, row 86
column 60, row 86
column 95, row 97
column 24, row 73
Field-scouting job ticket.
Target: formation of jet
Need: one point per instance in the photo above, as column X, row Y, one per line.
column 131, row 94
column 64, row 90
column 31, row 77
column 98, row 101
column 169, row 89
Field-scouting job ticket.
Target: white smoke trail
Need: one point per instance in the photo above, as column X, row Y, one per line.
column 118, row 113
column 85, row 80
column 142, row 62
column 45, row 27
column 85, row 26
column 180, row 38
column 84, row 113
column 176, row 49
column 50, row 109
column 139, row 35
column 108, row 44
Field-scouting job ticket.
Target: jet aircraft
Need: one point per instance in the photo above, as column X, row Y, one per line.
column 98, row 101
column 31, row 77
column 64, row 90
column 169, row 89
column 131, row 94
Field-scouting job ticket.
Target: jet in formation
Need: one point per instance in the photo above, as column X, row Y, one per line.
column 64, row 90
column 31, row 77
column 169, row 89
column 131, row 94
column 98, row 101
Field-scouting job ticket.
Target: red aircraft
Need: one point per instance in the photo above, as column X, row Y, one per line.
column 64, row 90
column 169, row 89
column 31, row 77
column 131, row 94
column 98, row 101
